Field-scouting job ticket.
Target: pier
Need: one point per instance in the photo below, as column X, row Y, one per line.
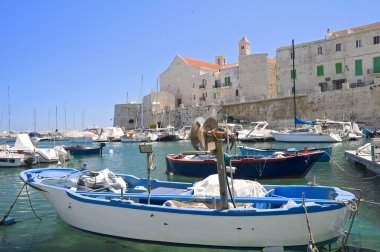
column 363, row 159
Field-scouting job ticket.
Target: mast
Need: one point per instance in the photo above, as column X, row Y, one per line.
column 142, row 103
column 9, row 113
column 56, row 118
column 294, row 85
column 156, row 110
column 35, row 124
column 65, row 119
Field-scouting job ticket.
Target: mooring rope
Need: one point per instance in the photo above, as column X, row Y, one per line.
column 312, row 246
column 2, row 221
column 349, row 174
column 30, row 202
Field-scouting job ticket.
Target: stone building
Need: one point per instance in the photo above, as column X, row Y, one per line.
column 344, row 59
column 133, row 115
column 199, row 83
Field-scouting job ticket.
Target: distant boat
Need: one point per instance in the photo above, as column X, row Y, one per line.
column 249, row 151
column 8, row 159
column 166, row 134
column 24, row 145
column 295, row 165
column 257, row 131
column 306, row 135
column 85, row 150
column 134, row 136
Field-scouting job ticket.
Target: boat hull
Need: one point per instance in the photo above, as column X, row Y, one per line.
column 84, row 151
column 245, row 228
column 306, row 138
column 248, row 151
column 296, row 166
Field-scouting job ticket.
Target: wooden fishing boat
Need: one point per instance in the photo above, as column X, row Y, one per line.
column 251, row 151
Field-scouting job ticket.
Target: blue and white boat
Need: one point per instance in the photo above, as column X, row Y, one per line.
column 200, row 214
column 185, row 213
column 251, row 151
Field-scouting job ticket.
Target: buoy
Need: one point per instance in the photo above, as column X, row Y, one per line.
column 111, row 151
column 7, row 221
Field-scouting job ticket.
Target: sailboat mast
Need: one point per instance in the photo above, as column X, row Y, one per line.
column 56, row 118
column 294, row 85
column 35, row 123
column 9, row 113
column 142, row 103
column 156, row 110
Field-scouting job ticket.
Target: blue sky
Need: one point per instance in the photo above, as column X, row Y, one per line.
column 81, row 57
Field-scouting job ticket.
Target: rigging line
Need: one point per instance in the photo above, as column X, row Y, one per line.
column 342, row 169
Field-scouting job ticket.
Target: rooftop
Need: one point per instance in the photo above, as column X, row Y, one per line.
column 354, row 29
column 208, row 65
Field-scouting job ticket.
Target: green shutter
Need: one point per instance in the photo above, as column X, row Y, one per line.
column 293, row 74
column 320, row 70
column 338, row 68
column 358, row 67
column 376, row 65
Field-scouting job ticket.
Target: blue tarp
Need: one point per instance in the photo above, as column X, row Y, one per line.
column 298, row 120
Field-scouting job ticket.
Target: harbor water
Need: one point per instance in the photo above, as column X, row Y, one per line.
column 50, row 233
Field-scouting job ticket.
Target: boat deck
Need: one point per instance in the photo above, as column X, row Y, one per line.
column 363, row 159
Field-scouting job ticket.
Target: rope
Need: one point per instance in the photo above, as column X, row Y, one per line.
column 312, row 246
column 370, row 202
column 349, row 174
column 30, row 202
column 2, row 221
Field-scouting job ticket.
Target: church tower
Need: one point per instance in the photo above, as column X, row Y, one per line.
column 244, row 47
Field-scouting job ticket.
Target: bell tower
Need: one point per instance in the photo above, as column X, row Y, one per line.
column 244, row 47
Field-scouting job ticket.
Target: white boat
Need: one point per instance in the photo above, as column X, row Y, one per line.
column 44, row 155
column 306, row 135
column 198, row 214
column 134, row 136
column 183, row 217
column 256, row 131
column 8, row 159
column 346, row 130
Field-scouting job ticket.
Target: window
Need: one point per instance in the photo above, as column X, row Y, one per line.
column 204, row 82
column 358, row 43
column 319, row 50
column 337, row 86
column 338, row 68
column 358, row 67
column 217, row 83
column 338, row 47
column 376, row 65
column 242, row 47
column 320, row 70
column 323, row 86
column 227, row 81
column 237, row 92
column 293, row 74
column 376, row 40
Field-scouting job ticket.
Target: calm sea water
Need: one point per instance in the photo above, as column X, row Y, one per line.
column 53, row 234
